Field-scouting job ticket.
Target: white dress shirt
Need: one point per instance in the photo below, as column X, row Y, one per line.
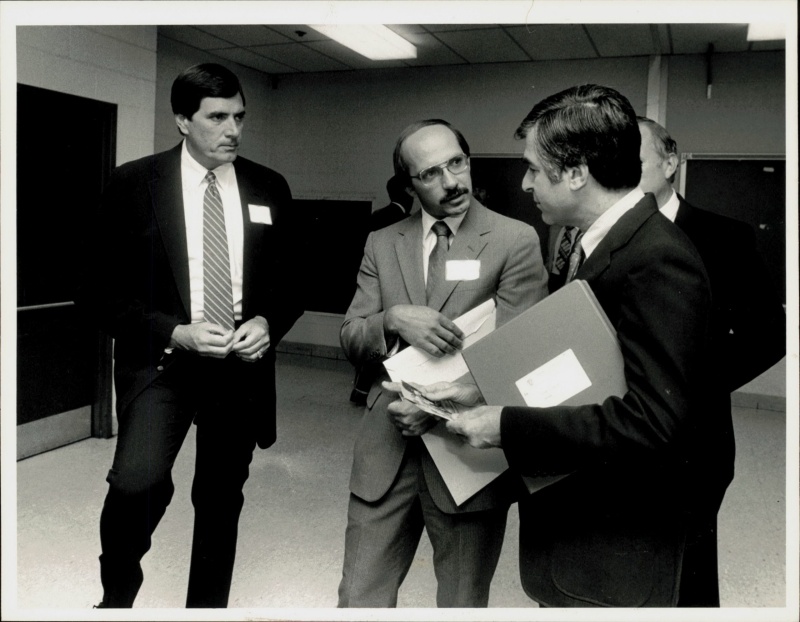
column 670, row 209
column 194, row 188
column 595, row 234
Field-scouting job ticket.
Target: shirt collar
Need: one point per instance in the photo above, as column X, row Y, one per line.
column 454, row 222
column 670, row 208
column 195, row 173
column 595, row 234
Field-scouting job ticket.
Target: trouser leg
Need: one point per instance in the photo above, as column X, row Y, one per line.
column 699, row 586
column 224, row 453
column 381, row 540
column 466, row 550
column 150, row 435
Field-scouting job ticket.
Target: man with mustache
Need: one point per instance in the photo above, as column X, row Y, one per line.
column 408, row 293
column 191, row 276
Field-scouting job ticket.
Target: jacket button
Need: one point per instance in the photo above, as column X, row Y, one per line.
column 160, row 368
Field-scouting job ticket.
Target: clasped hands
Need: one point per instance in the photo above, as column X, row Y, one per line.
column 477, row 423
column 249, row 342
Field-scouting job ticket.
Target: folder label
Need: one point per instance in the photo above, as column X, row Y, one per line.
column 554, row 382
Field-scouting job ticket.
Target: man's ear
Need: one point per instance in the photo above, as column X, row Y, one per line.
column 671, row 163
column 181, row 122
column 577, row 176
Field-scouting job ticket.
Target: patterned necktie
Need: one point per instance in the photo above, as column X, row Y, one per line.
column 436, row 260
column 564, row 248
column 217, row 291
column 575, row 257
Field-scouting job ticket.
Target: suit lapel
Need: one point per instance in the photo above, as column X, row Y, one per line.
column 250, row 249
column 166, row 192
column 408, row 248
column 617, row 237
column 467, row 244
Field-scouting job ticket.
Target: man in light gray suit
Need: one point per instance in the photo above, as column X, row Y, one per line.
column 396, row 490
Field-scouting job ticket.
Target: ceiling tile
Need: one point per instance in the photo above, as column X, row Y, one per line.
column 299, row 56
column 431, row 51
column 352, row 60
column 192, row 36
column 290, row 31
column 255, row 61
column 622, row 39
column 246, row 35
column 694, row 38
column 553, row 41
column 490, row 46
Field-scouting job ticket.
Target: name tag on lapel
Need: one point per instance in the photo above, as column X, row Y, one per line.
column 260, row 214
column 462, row 269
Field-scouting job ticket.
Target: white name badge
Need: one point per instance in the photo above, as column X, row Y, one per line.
column 462, row 269
column 554, row 382
column 260, row 214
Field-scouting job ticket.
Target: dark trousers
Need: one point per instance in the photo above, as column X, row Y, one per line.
column 699, row 585
column 382, row 538
column 151, row 432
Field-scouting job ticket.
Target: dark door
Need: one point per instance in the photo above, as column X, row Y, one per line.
column 65, row 152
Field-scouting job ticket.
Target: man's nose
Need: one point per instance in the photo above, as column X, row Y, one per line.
column 527, row 186
column 449, row 180
column 233, row 127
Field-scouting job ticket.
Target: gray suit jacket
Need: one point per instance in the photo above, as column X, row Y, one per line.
column 511, row 272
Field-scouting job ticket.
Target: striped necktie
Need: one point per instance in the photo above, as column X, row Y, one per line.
column 217, row 291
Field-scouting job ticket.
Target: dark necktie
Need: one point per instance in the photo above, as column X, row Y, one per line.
column 564, row 248
column 575, row 257
column 217, row 291
column 558, row 271
column 438, row 256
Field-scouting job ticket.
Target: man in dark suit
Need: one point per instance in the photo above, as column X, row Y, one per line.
column 191, row 276
column 648, row 470
column 399, row 206
column 749, row 320
column 398, row 209
column 396, row 489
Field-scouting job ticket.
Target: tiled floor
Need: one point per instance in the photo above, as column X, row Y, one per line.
column 292, row 526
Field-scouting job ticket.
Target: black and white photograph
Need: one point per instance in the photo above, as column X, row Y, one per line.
column 404, row 310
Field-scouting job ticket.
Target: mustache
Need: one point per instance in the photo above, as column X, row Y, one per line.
column 454, row 195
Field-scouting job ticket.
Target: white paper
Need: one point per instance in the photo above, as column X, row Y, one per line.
column 462, row 269
column 554, row 382
column 414, row 365
column 260, row 214
column 464, row 469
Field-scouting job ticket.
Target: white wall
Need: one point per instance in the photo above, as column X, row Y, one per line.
column 115, row 64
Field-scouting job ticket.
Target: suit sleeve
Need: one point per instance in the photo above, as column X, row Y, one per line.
column 523, row 280
column 362, row 336
column 283, row 302
column 112, row 282
column 662, row 328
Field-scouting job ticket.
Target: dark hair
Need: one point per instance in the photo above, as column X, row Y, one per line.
column 200, row 81
column 664, row 144
column 397, row 192
column 588, row 124
column 400, row 165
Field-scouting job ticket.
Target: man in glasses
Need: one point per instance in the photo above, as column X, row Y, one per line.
column 409, row 291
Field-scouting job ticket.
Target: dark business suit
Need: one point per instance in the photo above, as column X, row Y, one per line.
column 138, row 291
column 748, row 336
column 649, row 469
column 750, row 323
column 391, row 274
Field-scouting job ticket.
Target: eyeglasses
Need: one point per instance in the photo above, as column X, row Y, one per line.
column 455, row 165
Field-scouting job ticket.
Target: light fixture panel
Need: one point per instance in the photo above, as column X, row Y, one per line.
column 374, row 41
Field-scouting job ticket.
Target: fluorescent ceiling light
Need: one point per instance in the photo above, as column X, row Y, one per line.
column 374, row 41
column 766, row 31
